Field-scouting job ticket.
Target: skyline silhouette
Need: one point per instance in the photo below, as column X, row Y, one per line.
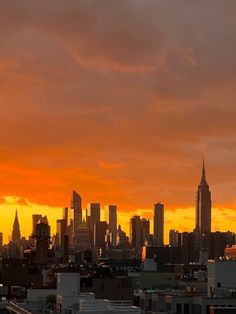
column 123, row 115
column 187, row 214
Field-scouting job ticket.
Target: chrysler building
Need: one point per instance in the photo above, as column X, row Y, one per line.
column 16, row 230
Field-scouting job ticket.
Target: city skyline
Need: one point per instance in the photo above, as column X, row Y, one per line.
column 123, row 116
column 149, row 214
column 117, row 156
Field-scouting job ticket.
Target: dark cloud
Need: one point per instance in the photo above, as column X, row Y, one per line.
column 119, row 98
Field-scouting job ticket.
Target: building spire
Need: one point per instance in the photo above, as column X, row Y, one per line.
column 16, row 235
column 203, row 206
column 203, row 179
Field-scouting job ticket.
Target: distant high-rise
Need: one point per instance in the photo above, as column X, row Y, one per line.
column 203, row 206
column 145, row 230
column 70, row 231
column 93, row 217
column 76, row 205
column 112, row 211
column 173, row 238
column 158, row 225
column 44, row 220
column 100, row 233
column 61, row 232
column 85, row 240
column 135, row 232
column 1, row 241
column 35, row 220
column 65, row 215
column 16, row 230
column 94, row 210
column 122, row 239
column 42, row 236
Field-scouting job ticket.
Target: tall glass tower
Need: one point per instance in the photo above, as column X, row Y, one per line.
column 76, row 205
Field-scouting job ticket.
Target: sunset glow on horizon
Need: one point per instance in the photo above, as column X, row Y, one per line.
column 118, row 101
column 181, row 219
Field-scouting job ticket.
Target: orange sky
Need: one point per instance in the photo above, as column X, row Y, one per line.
column 119, row 100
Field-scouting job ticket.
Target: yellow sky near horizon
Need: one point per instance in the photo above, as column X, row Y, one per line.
column 179, row 219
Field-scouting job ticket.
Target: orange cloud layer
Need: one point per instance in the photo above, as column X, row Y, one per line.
column 120, row 103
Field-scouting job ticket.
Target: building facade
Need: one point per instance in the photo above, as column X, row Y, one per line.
column 76, row 205
column 158, row 225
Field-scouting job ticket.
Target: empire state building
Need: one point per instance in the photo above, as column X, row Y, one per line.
column 203, row 205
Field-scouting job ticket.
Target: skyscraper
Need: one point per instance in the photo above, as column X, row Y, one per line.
column 16, row 230
column 145, row 229
column 203, row 206
column 173, row 238
column 158, row 225
column 61, row 232
column 94, row 217
column 94, row 210
column 1, row 241
column 70, row 230
column 85, row 240
column 42, row 236
column 76, row 205
column 35, row 220
column 112, row 211
column 99, row 234
column 65, row 215
column 135, row 232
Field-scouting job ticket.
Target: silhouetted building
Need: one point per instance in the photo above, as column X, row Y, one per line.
column 61, row 232
column 42, row 236
column 122, row 241
column 145, row 230
column 113, row 222
column 100, row 233
column 163, row 255
column 135, row 232
column 84, row 238
column 149, row 240
column 76, row 205
column 16, row 231
column 65, row 216
column 158, row 225
column 122, row 287
column 15, row 272
column 203, row 206
column 13, row 250
column 70, row 233
column 94, row 210
column 65, row 249
column 186, row 241
column 173, row 238
column 35, row 220
column 93, row 217
column 44, row 220
column 1, row 241
column 218, row 241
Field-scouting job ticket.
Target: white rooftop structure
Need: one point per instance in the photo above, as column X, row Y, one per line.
column 71, row 301
column 221, row 278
